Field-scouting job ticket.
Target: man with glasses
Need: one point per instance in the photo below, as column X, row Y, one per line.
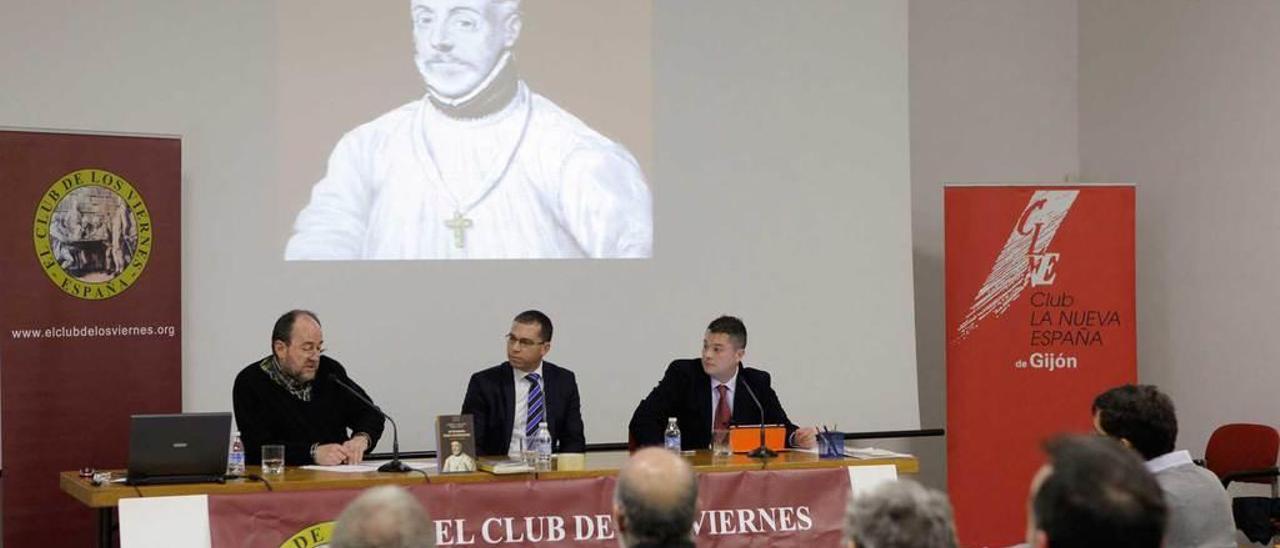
column 510, row 399
column 278, row 400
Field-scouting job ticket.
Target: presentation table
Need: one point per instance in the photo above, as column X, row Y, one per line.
column 105, row 498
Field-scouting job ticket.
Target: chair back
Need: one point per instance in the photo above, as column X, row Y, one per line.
column 1237, row 447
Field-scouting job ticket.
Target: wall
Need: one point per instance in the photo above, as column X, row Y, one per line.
column 993, row 99
column 1179, row 97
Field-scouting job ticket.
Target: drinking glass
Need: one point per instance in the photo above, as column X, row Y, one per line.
column 272, row 460
column 720, row 443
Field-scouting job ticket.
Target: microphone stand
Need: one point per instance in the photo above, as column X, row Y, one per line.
column 763, row 451
column 394, row 465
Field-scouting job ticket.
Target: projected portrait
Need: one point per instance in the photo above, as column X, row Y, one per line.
column 480, row 167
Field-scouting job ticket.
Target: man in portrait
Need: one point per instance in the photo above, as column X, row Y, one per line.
column 458, row 461
column 479, row 167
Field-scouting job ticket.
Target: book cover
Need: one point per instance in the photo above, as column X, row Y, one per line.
column 456, row 444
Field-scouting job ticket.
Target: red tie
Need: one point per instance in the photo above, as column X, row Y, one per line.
column 722, row 408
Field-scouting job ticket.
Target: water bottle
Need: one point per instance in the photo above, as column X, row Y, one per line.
column 672, row 435
column 543, row 446
column 235, row 462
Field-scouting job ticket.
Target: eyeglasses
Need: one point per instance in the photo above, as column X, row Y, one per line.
column 512, row 340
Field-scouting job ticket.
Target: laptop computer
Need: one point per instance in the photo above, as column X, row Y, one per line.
column 184, row 448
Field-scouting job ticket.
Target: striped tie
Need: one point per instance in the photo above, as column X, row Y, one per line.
column 537, row 411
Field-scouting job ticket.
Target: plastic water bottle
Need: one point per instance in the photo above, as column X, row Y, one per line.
column 672, row 435
column 235, row 462
column 542, row 445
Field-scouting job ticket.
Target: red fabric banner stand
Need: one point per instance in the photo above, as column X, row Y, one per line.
column 1040, row 319
column 736, row 509
column 90, row 314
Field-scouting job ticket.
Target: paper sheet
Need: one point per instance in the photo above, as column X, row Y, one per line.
column 864, row 479
column 369, row 466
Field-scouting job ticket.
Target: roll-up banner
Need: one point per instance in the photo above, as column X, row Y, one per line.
column 90, row 314
column 1040, row 319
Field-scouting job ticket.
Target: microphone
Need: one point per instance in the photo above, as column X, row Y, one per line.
column 394, row 465
column 762, row 452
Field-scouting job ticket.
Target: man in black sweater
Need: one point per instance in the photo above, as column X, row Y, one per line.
column 293, row 398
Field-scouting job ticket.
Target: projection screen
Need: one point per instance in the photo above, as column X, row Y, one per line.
column 769, row 142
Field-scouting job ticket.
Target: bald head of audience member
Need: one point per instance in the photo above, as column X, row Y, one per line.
column 900, row 514
column 1094, row 493
column 383, row 517
column 655, row 500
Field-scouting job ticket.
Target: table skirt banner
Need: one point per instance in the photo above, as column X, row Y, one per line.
column 1040, row 319
column 90, row 313
column 735, row 509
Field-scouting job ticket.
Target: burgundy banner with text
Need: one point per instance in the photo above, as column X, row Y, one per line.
column 1040, row 319
column 90, row 314
column 735, row 509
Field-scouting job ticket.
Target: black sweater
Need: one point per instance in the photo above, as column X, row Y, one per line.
column 267, row 413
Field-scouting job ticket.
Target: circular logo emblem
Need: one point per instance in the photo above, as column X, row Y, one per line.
column 314, row 536
column 92, row 234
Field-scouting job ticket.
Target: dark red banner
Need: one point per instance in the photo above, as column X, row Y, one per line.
column 1040, row 319
column 90, row 314
column 736, row 509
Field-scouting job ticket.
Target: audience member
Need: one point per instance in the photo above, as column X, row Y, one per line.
column 900, row 514
column 383, row 517
column 1142, row 417
column 655, row 501
column 1094, row 493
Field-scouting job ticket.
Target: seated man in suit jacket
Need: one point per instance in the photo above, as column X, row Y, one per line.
column 713, row 391
column 508, row 400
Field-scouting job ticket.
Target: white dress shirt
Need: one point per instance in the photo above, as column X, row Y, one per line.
column 715, row 397
column 516, row 449
column 1169, row 460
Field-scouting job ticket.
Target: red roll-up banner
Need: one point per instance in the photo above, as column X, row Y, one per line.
column 1040, row 319
column 90, row 314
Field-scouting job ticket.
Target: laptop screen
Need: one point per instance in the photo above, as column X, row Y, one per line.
column 188, row 444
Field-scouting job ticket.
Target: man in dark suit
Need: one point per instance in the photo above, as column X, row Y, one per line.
column 508, row 400
column 713, row 391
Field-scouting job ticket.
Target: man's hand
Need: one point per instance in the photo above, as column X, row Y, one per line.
column 331, row 454
column 806, row 437
column 355, row 448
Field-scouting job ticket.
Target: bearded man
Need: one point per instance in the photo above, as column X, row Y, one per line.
column 295, row 397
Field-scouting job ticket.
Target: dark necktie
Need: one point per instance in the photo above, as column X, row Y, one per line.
column 722, row 408
column 537, row 409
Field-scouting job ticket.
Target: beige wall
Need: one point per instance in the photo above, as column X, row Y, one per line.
column 1182, row 97
column 993, row 98
column 1177, row 96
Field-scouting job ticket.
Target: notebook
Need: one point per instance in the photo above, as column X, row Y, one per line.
column 183, row 448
